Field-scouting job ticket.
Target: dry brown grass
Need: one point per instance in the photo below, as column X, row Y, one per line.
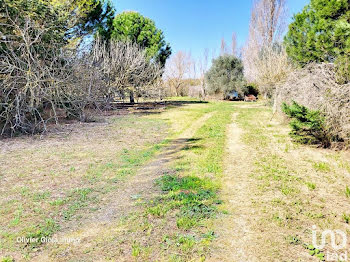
column 81, row 181
column 61, row 177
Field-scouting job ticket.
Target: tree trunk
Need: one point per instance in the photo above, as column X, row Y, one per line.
column 132, row 99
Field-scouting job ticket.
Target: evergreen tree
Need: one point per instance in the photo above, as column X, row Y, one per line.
column 320, row 33
column 225, row 76
column 132, row 26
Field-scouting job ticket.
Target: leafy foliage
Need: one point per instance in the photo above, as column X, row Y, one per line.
column 225, row 76
column 99, row 17
column 41, row 12
column 132, row 26
column 64, row 21
column 308, row 126
column 320, row 33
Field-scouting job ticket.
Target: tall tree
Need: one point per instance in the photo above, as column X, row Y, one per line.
column 264, row 57
column 53, row 21
column 97, row 17
column 132, row 26
column 223, row 47
column 268, row 21
column 320, row 33
column 234, row 47
column 177, row 68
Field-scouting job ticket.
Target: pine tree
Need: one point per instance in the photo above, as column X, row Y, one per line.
column 320, row 33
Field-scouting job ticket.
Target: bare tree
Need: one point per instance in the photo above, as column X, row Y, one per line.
column 127, row 67
column 177, row 68
column 234, row 47
column 223, row 48
column 268, row 21
column 203, row 67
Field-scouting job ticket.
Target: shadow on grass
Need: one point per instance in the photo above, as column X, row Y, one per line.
column 146, row 108
column 180, row 144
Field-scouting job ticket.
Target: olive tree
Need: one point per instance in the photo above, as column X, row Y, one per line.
column 225, row 76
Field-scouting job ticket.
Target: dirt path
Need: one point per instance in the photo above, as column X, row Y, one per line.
column 274, row 190
column 141, row 186
column 123, row 201
column 233, row 230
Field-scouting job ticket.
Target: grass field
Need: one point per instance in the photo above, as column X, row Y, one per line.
column 169, row 186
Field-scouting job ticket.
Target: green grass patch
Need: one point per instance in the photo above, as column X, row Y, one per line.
column 78, row 199
column 321, row 167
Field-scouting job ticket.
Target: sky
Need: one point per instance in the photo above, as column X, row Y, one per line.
column 194, row 25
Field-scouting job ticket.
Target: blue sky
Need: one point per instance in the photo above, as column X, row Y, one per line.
column 194, row 25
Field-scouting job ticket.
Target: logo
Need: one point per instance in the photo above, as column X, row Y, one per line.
column 333, row 235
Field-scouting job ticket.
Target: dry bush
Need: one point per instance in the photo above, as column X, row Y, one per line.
column 315, row 87
column 266, row 67
column 126, row 67
column 39, row 78
column 29, row 75
column 196, row 91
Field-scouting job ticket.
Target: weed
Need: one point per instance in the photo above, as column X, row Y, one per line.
column 186, row 222
column 346, row 218
column 41, row 231
column 187, row 194
column 293, row 240
column 186, row 242
column 315, row 252
column 173, row 183
column 78, row 199
column 7, row 259
column 288, row 190
column 158, row 211
column 347, row 192
column 58, row 202
column 322, row 167
column 311, row 186
column 136, row 249
column 210, row 235
column 41, row 196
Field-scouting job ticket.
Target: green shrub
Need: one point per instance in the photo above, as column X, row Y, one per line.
column 308, row 126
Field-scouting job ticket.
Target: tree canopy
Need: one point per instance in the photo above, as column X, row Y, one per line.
column 63, row 21
column 132, row 26
column 225, row 76
column 320, row 33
